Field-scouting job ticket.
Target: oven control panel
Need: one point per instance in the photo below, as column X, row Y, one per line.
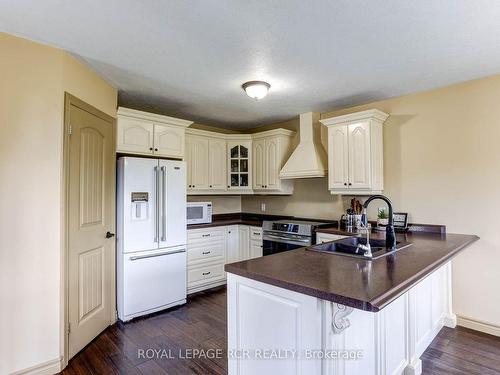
column 281, row 227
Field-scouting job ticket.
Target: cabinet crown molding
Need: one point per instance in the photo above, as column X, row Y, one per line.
column 141, row 115
column 371, row 114
column 274, row 132
column 241, row 136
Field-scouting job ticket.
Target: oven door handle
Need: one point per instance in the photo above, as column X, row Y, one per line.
column 288, row 239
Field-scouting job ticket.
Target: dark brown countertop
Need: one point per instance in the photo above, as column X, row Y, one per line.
column 362, row 284
column 237, row 218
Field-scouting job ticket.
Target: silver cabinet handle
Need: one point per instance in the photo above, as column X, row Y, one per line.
column 257, row 234
column 156, row 218
column 157, row 255
column 163, row 204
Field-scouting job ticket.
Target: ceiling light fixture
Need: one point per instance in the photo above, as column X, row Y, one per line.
column 256, row 89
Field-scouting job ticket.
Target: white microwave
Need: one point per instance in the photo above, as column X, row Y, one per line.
column 199, row 212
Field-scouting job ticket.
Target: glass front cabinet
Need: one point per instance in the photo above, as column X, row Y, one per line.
column 239, row 165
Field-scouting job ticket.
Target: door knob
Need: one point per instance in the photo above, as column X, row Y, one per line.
column 109, row 234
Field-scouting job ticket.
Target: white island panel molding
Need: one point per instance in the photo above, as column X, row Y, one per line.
column 272, row 330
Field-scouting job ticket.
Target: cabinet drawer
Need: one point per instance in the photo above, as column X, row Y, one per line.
column 197, row 235
column 255, row 234
column 206, row 252
column 206, row 274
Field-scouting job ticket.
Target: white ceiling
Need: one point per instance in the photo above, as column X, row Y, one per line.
column 189, row 58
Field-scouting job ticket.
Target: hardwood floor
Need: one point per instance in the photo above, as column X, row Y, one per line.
column 201, row 324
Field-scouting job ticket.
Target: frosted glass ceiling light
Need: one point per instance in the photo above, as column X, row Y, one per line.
column 256, row 89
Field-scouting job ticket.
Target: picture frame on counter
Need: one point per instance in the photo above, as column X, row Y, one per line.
column 400, row 221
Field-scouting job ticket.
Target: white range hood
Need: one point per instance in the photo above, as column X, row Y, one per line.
column 309, row 157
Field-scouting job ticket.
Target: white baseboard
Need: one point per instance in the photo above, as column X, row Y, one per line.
column 47, row 368
column 414, row 368
column 478, row 325
column 450, row 320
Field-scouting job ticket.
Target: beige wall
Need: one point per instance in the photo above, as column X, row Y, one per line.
column 442, row 165
column 220, row 204
column 34, row 78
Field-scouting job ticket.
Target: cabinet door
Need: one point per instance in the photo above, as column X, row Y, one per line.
column 239, row 165
column 168, row 141
column 233, row 244
column 217, row 164
column 255, row 249
column 272, row 163
column 134, row 136
column 198, row 161
column 359, row 156
column 338, row 157
column 244, row 241
column 189, row 162
column 259, row 163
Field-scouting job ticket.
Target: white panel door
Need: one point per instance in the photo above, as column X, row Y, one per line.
column 198, row 162
column 153, row 279
column 217, row 164
column 272, row 163
column 139, row 204
column 259, row 166
column 172, row 204
column 338, row 157
column 359, row 156
column 91, row 215
column 135, row 136
column 233, row 245
column 168, row 141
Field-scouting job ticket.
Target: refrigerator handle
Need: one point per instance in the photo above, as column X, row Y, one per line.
column 157, row 188
column 163, row 204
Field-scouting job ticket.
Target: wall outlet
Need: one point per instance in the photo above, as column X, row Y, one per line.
column 262, row 207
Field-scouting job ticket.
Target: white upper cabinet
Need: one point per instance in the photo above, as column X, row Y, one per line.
column 168, row 141
column 239, row 160
column 197, row 162
column 220, row 163
column 259, row 166
column 150, row 134
column 359, row 156
column 356, row 153
column 270, row 152
column 273, row 162
column 217, row 164
column 338, row 172
column 134, row 136
column 206, row 162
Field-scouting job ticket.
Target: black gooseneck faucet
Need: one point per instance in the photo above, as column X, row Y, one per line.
column 390, row 235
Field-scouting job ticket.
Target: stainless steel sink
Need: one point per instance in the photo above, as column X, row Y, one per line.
column 349, row 247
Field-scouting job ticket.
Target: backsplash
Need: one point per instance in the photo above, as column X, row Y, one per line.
column 220, row 204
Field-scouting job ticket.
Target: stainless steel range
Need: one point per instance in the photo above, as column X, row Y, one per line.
column 284, row 235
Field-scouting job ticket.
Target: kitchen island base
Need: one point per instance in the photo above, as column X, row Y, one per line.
column 273, row 330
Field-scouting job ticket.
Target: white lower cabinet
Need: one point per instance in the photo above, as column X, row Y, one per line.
column 255, row 250
column 233, row 244
column 208, row 249
column 387, row 342
column 244, row 242
column 327, row 237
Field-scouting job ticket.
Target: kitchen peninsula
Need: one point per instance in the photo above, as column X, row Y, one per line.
column 314, row 307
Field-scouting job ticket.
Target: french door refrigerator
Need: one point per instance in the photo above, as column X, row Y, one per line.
column 151, row 235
